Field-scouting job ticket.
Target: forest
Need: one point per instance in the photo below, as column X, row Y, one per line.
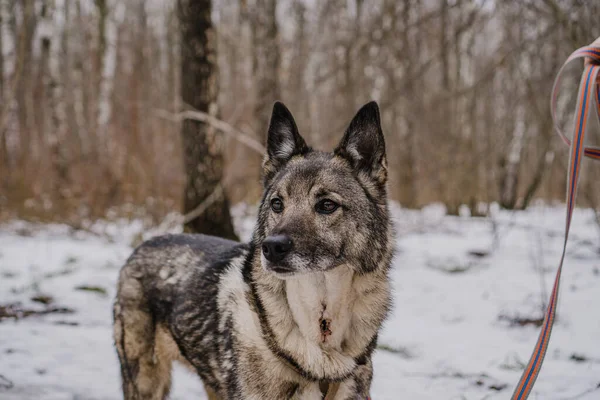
column 122, row 120
column 93, row 99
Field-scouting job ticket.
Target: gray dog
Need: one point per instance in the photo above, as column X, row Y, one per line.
column 294, row 314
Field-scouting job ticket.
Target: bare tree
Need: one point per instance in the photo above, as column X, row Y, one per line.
column 3, row 144
column 2, row 51
column 203, row 156
column 462, row 86
column 24, row 91
column 265, row 71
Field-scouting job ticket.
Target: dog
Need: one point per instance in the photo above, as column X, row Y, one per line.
column 295, row 313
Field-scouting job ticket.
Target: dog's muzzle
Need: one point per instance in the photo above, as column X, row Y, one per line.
column 276, row 248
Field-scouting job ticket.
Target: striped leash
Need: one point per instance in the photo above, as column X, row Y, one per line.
column 588, row 103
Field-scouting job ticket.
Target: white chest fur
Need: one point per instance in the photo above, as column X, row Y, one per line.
column 321, row 304
column 354, row 306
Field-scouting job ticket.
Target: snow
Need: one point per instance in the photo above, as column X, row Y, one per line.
column 458, row 282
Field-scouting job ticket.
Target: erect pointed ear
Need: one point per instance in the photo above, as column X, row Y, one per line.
column 283, row 141
column 363, row 144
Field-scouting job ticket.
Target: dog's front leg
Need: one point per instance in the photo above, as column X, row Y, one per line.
column 357, row 386
column 308, row 391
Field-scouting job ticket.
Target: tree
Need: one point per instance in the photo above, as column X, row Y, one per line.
column 202, row 145
column 265, row 73
column 3, row 145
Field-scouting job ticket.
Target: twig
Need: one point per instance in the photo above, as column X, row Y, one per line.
column 224, row 127
column 16, row 312
column 6, row 383
column 537, row 256
column 580, row 395
column 546, row 231
column 207, row 202
column 219, row 124
column 588, row 195
column 196, row 212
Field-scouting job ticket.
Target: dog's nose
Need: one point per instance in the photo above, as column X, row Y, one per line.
column 275, row 248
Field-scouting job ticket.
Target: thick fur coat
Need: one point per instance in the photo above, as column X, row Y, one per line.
column 294, row 314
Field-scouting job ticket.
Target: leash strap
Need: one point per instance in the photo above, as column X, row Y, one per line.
column 588, row 103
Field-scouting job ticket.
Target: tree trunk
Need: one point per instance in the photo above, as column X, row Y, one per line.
column 202, row 146
column 74, row 146
column 266, row 61
column 1, row 55
column 297, row 89
column 410, row 171
column 265, row 72
column 99, row 91
column 84, row 85
column 4, row 106
column 43, row 102
column 25, row 34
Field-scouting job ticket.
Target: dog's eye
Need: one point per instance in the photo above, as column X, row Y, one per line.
column 277, row 205
column 326, row 206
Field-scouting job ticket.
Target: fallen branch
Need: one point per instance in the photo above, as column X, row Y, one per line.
column 5, row 383
column 477, row 379
column 581, row 395
column 16, row 312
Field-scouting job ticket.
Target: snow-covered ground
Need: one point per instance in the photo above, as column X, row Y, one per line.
column 461, row 287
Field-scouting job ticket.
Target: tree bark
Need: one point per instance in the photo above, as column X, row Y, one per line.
column 43, row 102
column 74, row 147
column 202, row 146
column 265, row 72
column 410, row 170
column 98, row 69
column 265, row 65
column 25, row 33
column 1, row 54
column 3, row 100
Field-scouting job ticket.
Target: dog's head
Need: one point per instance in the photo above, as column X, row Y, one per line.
column 320, row 209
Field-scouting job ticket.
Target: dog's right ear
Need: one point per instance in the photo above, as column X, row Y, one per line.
column 283, row 141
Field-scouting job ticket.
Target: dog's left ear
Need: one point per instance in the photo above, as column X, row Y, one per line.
column 363, row 144
column 283, row 141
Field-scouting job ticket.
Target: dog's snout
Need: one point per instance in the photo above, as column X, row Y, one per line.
column 275, row 248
